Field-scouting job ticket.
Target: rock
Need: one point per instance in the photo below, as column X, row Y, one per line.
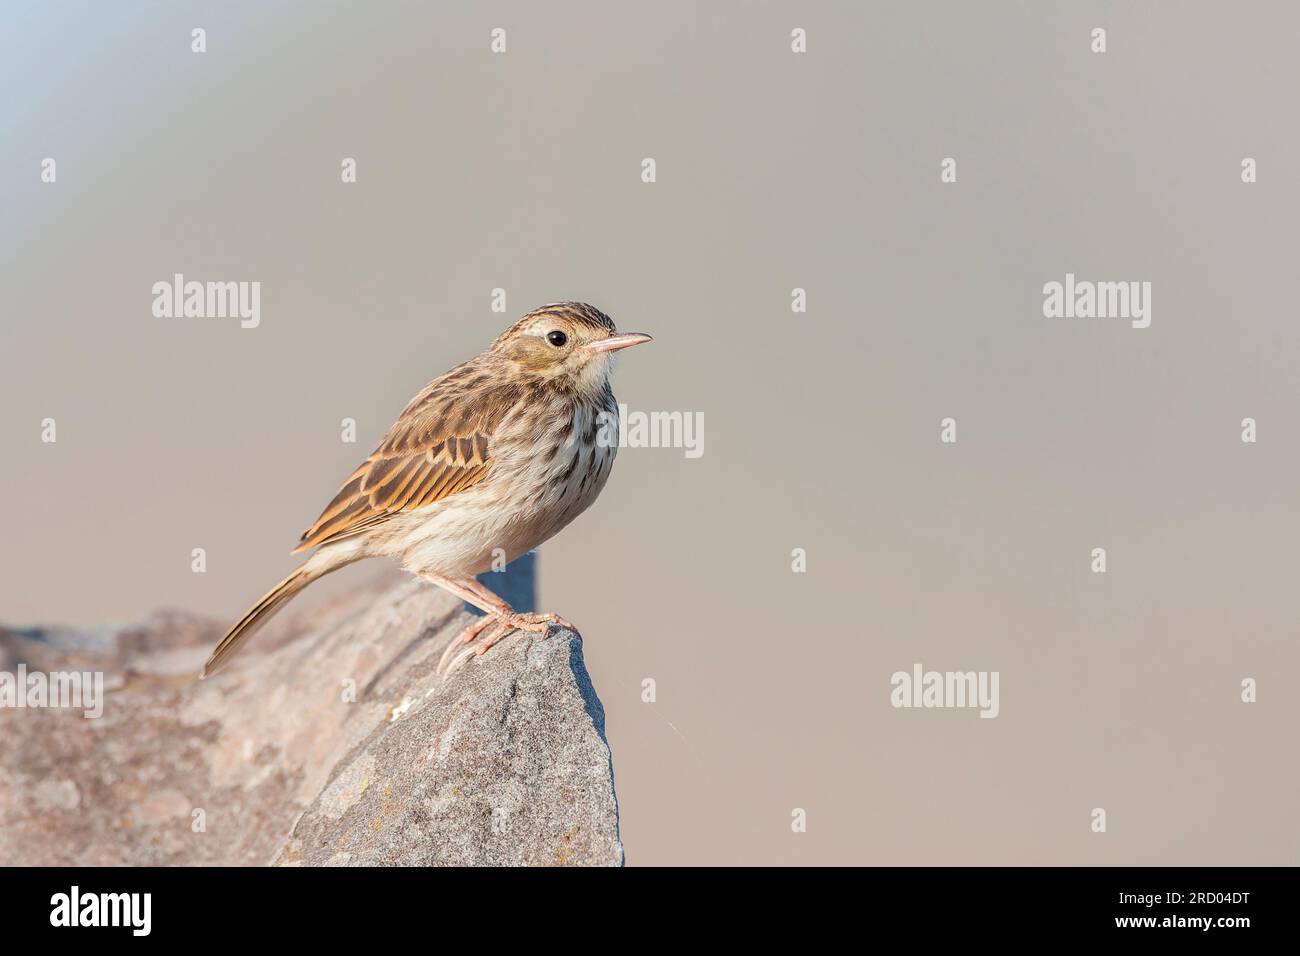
column 328, row 740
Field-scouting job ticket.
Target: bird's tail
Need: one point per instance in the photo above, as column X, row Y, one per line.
column 263, row 611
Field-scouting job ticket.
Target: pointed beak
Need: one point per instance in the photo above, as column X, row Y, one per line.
column 615, row 342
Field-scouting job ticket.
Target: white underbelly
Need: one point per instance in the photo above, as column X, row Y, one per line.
column 519, row 506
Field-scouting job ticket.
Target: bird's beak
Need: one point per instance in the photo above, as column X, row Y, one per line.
column 615, row 342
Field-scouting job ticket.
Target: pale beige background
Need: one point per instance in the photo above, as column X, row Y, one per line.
column 775, row 171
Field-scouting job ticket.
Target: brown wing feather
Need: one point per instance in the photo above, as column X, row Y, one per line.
column 439, row 446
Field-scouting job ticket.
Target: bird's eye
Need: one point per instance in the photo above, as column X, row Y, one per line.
column 557, row 338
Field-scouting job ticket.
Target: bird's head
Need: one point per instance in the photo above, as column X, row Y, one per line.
column 568, row 343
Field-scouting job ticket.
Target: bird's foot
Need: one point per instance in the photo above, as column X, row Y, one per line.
column 539, row 623
column 466, row 636
column 502, row 625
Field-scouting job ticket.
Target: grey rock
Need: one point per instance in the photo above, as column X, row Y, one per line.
column 329, row 740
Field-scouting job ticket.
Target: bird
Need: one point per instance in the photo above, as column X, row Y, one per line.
column 487, row 461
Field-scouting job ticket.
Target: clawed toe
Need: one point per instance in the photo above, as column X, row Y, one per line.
column 541, row 623
column 464, row 637
column 499, row 630
column 501, row 625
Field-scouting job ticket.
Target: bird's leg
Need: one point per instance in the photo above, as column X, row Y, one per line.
column 492, row 612
column 537, row 623
column 457, row 586
column 506, row 620
column 486, row 595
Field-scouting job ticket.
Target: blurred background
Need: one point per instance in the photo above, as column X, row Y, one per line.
column 775, row 170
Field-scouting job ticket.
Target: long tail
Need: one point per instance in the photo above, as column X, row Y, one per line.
column 263, row 611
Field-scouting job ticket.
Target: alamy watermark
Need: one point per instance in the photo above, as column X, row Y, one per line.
column 75, row 908
column 946, row 689
column 179, row 299
column 73, row 690
column 1083, row 299
column 652, row 430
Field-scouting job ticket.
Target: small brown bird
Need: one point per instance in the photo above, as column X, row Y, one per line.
column 494, row 457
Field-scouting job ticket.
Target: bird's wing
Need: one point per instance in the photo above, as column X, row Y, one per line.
column 439, row 445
